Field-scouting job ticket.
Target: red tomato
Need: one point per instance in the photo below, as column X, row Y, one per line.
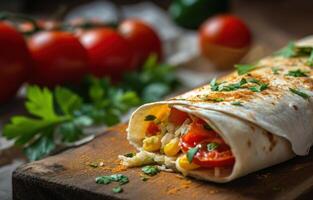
column 109, row 53
column 14, row 61
column 199, row 136
column 224, row 40
column 177, row 117
column 152, row 129
column 225, row 30
column 144, row 40
column 197, row 133
column 214, row 158
column 58, row 58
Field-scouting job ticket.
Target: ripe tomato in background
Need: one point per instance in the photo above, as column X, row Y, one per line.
column 143, row 39
column 109, row 53
column 224, row 40
column 58, row 58
column 14, row 61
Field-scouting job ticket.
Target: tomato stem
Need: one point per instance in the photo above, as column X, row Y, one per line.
column 14, row 16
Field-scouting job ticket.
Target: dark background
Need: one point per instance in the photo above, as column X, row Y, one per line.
column 293, row 16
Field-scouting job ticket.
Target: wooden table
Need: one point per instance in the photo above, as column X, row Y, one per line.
column 273, row 23
column 69, row 176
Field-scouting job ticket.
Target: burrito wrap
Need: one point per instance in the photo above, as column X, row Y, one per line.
column 270, row 127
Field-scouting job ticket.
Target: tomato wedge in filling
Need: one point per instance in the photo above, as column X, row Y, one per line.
column 152, row 129
column 213, row 151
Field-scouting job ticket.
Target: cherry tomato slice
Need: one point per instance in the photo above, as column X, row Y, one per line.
column 200, row 136
column 214, row 158
column 196, row 134
column 177, row 117
column 152, row 129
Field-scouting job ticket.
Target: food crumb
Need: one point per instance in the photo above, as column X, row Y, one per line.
column 183, row 185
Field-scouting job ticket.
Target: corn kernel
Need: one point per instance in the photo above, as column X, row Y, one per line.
column 172, row 148
column 152, row 143
column 184, row 163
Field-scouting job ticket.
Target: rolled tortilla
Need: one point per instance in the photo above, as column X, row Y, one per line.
column 270, row 127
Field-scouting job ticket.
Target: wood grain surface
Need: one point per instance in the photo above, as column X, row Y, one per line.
column 69, row 176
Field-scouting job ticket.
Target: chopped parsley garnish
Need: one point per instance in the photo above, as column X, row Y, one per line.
column 298, row 92
column 120, row 178
column 275, row 70
column 243, row 69
column 191, row 153
column 254, row 80
column 259, row 88
column 117, row 189
column 150, row 118
column 150, row 170
column 233, row 86
column 218, row 99
column 212, row 146
column 310, row 59
column 214, row 85
column 288, row 51
column 297, row 73
column 103, row 180
column 130, row 155
column 236, row 103
column 207, row 127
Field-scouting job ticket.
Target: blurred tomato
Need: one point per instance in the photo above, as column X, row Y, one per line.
column 143, row 39
column 109, row 53
column 58, row 58
column 224, row 39
column 14, row 61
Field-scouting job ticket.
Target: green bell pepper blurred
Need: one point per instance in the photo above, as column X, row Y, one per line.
column 192, row 13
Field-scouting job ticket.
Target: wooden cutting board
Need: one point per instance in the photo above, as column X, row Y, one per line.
column 69, row 176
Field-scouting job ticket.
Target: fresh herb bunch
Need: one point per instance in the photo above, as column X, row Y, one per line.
column 154, row 82
column 60, row 116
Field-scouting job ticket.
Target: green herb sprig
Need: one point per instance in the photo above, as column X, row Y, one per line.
column 297, row 73
column 64, row 113
column 150, row 170
column 299, row 93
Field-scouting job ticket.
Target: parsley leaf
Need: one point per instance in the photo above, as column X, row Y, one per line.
column 233, row 86
column 41, row 147
column 67, row 100
column 130, row 155
column 236, row 103
column 212, row 146
column 150, row 118
column 103, row 180
column 150, row 170
column 191, row 153
column 120, row 178
column 40, row 104
column 243, row 69
column 218, row 99
column 214, row 85
column 275, row 70
column 297, row 73
column 153, row 82
column 117, row 189
column 259, row 88
column 288, row 51
column 310, row 59
column 298, row 92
